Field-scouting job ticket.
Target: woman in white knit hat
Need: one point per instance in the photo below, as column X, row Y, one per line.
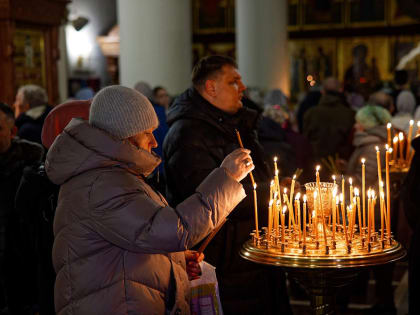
column 119, row 247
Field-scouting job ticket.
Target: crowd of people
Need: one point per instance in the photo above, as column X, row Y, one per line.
column 104, row 201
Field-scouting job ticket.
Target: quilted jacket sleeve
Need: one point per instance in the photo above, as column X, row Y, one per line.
column 130, row 218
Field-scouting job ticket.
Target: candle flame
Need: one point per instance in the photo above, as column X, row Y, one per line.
column 349, row 208
column 381, row 183
column 284, row 209
column 354, row 200
column 356, row 192
column 315, row 194
column 377, row 148
column 390, row 150
column 304, row 198
column 275, row 194
column 337, row 200
column 363, row 160
column 271, row 202
column 317, row 168
column 388, row 125
column 418, row 124
column 255, row 186
column 297, row 196
column 278, row 203
column 334, row 192
column 386, row 146
column 285, row 191
column 275, row 159
column 272, row 183
column 313, row 213
column 333, row 177
column 382, row 195
column 395, row 140
column 369, row 193
column 350, row 181
column 277, row 172
column 411, row 122
column 373, row 194
column 401, row 136
column 341, row 198
column 294, row 177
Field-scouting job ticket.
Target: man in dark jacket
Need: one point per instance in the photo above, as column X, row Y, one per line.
column 31, row 108
column 15, row 154
column 202, row 124
column 328, row 125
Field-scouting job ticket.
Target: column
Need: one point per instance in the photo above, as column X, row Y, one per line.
column 155, row 43
column 261, row 43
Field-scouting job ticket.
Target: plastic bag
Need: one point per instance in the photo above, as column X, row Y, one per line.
column 205, row 298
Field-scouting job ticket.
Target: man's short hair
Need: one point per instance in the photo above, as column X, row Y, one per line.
column 209, row 66
column 157, row 89
column 34, row 95
column 8, row 112
column 331, row 84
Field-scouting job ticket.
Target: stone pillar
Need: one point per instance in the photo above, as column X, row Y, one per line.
column 261, row 43
column 155, row 43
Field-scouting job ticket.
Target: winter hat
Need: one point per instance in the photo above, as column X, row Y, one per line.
column 60, row 116
column 406, row 102
column 371, row 116
column 122, row 112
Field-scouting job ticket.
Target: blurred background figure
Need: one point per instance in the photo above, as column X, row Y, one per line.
column 406, row 103
column 161, row 97
column 31, row 107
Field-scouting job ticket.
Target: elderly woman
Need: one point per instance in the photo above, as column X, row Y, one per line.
column 370, row 131
column 119, row 247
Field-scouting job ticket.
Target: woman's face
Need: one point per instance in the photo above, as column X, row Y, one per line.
column 145, row 140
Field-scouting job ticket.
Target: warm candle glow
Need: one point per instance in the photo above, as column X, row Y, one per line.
column 333, row 177
column 388, row 125
column 341, row 198
column 401, row 136
column 297, row 196
column 255, row 186
column 377, row 148
column 318, row 168
column 334, row 192
column 350, row 181
column 275, row 159
column 395, row 140
column 272, row 183
column 304, row 198
column 285, row 191
column 412, row 122
column 356, row 192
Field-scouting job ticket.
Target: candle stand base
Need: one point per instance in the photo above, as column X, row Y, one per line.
column 321, row 274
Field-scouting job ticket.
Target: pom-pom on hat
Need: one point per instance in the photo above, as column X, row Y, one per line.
column 122, row 112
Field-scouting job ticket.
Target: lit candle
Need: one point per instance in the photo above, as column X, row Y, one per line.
column 315, row 218
column 373, row 195
column 388, row 129
column 395, row 147
column 418, row 127
column 388, row 189
column 335, row 206
column 270, row 217
column 410, row 131
column 276, row 182
column 364, row 192
column 282, row 224
column 290, row 206
column 359, row 216
column 382, row 205
column 343, row 189
column 344, row 219
column 256, row 211
column 304, row 220
column 351, row 189
column 297, row 207
column 349, row 217
column 369, row 213
column 276, row 217
column 378, row 160
column 401, row 144
column 275, row 164
column 272, row 189
column 333, row 177
column 292, row 188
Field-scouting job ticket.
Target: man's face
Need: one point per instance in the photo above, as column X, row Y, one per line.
column 145, row 140
column 20, row 106
column 6, row 132
column 228, row 90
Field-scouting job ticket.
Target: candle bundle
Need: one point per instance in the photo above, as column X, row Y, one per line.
column 327, row 220
column 402, row 152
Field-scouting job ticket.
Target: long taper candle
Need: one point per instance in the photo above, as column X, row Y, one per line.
column 343, row 214
column 364, row 192
column 351, row 189
column 395, row 148
column 388, row 129
column 401, row 144
column 256, row 211
column 304, row 220
column 410, row 132
column 283, row 238
column 270, row 217
column 297, row 209
column 359, row 216
column 388, row 191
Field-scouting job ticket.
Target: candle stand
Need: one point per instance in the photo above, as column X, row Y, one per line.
column 319, row 271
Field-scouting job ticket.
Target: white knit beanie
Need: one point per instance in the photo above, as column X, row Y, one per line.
column 122, row 112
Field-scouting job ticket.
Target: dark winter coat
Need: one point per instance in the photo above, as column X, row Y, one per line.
column 118, row 246
column 328, row 127
column 30, row 123
column 199, row 137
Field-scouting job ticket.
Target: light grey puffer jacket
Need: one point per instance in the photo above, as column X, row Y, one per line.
column 118, row 246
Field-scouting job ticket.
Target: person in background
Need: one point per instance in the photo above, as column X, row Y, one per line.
column 202, row 123
column 36, row 200
column 328, row 125
column 119, row 248
column 370, row 131
column 382, row 99
column 311, row 100
column 161, row 97
column 406, row 104
column 401, row 84
column 15, row 154
column 31, row 107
